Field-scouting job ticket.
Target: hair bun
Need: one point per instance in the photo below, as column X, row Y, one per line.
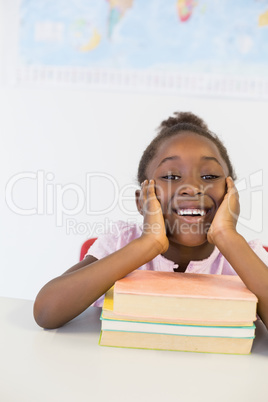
column 183, row 117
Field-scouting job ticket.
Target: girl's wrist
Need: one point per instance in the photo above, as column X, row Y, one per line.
column 225, row 238
column 152, row 245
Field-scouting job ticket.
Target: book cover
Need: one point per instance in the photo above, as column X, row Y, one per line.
column 184, row 296
column 109, row 314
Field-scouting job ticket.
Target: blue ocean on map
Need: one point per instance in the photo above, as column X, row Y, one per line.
column 199, row 36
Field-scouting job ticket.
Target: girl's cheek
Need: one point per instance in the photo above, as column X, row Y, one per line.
column 160, row 194
column 225, row 187
column 222, row 193
column 159, row 191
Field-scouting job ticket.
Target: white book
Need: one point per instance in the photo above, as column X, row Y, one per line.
column 175, row 329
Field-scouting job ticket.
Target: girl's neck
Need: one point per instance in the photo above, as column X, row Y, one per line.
column 182, row 255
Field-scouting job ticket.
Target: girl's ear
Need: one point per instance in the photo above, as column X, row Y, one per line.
column 138, row 201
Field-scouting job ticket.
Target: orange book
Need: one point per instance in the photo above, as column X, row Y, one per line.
column 185, row 296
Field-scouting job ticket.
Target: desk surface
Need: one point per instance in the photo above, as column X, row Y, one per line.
column 67, row 364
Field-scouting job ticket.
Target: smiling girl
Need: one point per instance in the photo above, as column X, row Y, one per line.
column 190, row 208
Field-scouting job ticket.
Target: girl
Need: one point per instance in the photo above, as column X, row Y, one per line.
column 190, row 208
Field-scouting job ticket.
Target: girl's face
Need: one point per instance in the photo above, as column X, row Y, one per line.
column 190, row 177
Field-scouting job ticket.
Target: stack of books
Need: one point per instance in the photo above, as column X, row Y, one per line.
column 179, row 311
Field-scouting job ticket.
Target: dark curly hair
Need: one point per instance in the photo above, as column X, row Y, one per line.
column 183, row 121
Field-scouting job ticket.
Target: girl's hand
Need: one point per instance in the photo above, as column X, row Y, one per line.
column 150, row 208
column 227, row 215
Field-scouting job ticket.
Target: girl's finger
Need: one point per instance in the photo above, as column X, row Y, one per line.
column 230, row 183
column 143, row 195
column 144, row 189
column 231, row 188
column 150, row 189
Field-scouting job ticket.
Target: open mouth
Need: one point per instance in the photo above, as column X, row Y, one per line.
column 191, row 212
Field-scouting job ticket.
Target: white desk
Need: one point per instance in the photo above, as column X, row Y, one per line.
column 67, row 364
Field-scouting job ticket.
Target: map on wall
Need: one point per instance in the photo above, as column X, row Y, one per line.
column 195, row 47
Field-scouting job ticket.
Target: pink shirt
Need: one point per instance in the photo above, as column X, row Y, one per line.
column 121, row 234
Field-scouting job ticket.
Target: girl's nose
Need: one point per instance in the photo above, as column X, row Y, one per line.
column 189, row 189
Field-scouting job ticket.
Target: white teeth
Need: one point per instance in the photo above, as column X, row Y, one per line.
column 191, row 212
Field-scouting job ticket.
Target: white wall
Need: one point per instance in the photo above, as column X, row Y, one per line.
column 69, row 133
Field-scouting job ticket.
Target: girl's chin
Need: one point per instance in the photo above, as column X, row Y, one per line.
column 190, row 235
column 190, row 240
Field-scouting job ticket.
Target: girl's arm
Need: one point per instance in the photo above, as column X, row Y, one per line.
column 66, row 296
column 233, row 246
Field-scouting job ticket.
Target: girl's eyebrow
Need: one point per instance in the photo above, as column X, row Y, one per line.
column 211, row 158
column 169, row 158
column 177, row 157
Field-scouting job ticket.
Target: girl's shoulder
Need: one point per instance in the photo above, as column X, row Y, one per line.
column 258, row 247
column 123, row 229
column 113, row 237
column 256, row 243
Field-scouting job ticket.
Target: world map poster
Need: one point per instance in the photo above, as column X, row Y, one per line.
column 194, row 47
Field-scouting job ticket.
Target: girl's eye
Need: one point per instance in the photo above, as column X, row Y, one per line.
column 209, row 177
column 171, row 177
